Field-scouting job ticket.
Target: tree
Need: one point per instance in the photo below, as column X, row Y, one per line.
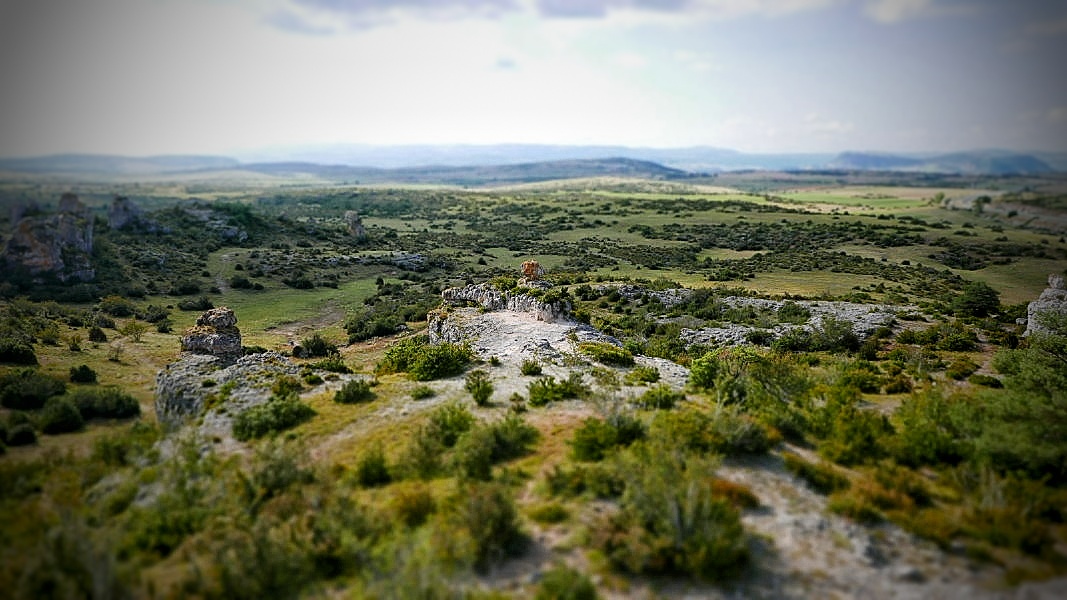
column 479, row 386
column 976, row 299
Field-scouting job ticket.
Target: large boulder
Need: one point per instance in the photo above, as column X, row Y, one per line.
column 124, row 214
column 354, row 223
column 60, row 245
column 1052, row 300
column 214, row 334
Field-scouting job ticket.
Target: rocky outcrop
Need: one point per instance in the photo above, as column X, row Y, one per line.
column 60, row 245
column 124, row 214
column 490, row 298
column 354, row 224
column 214, row 334
column 1052, row 300
column 195, row 383
column 532, row 270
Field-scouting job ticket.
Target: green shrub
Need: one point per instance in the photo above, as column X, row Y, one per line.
column 412, row 505
column 16, row 352
column 449, row 422
column 530, row 368
column 552, row 512
column 286, row 385
column 608, row 354
column 484, row 515
column 670, row 520
column 472, row 457
column 202, row 303
column 985, row 380
column 356, row 391
column 97, row 335
column 332, row 363
column 372, row 470
column 546, row 389
column 422, row 392
column 117, row 306
column 564, row 583
column 479, row 386
column 961, row 368
column 105, row 403
column 791, row 312
column 277, row 414
column 423, row 362
column 27, row 389
column 930, row 429
column 725, row 430
column 60, row 415
column 822, row 477
column 854, row 506
column 661, row 397
column 596, row 437
column 642, row 374
column 82, row 374
column 22, row 434
column 317, row 346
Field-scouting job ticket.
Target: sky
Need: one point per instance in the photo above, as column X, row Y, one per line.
column 149, row 77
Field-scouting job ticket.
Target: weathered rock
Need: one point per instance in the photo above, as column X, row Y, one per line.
column 59, row 245
column 1052, row 300
column 124, row 214
column 532, row 270
column 215, row 334
column 354, row 223
column 194, row 383
column 490, row 298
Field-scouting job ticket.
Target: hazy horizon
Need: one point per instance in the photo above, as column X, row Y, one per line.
column 236, row 77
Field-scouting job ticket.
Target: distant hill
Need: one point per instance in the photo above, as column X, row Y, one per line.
column 115, row 165
column 479, row 175
column 983, row 162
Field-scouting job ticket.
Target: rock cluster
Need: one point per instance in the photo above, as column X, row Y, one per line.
column 1052, row 300
column 214, row 334
column 354, row 223
column 59, row 244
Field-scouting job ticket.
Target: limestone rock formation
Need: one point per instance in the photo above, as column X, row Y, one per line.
column 1052, row 300
column 60, row 245
column 532, row 270
column 490, row 298
column 215, row 334
column 354, row 223
column 124, row 214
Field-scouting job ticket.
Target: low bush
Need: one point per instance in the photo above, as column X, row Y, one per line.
column 372, row 470
column 202, row 303
column 333, row 363
column 412, row 505
column 546, row 389
column 97, row 335
column 16, row 352
column 60, row 415
column 736, row 494
column 479, row 386
column 317, row 346
column 484, row 516
column 530, row 368
column 549, row 513
column 985, row 380
column 596, row 437
column 564, row 583
column 661, row 397
column 449, row 422
column 608, row 354
column 961, row 368
column 22, row 434
column 356, row 391
column 855, row 506
column 642, row 374
column 425, row 362
column 422, row 392
column 27, row 389
column 82, row 374
column 277, row 414
column 822, row 477
column 104, row 403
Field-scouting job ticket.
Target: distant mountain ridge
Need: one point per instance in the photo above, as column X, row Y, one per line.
column 518, row 163
column 982, row 162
